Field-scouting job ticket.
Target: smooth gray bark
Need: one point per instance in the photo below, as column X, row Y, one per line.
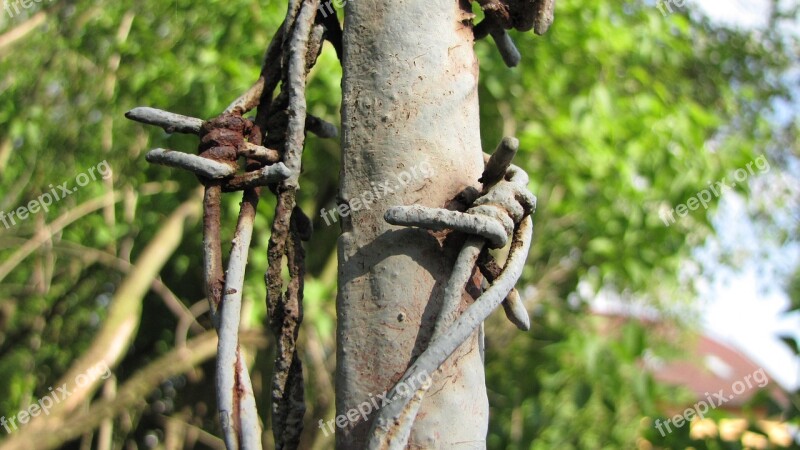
column 410, row 98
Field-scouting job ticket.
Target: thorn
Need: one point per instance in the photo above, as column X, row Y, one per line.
column 262, row 177
column 499, row 162
column 515, row 311
column 201, row 166
column 543, row 16
column 508, row 50
column 321, row 128
column 170, row 122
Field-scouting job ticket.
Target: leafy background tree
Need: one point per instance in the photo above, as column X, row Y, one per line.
column 621, row 112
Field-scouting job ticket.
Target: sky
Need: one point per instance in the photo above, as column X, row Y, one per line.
column 745, row 308
column 740, row 13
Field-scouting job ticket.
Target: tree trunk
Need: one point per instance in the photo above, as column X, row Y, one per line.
column 410, row 112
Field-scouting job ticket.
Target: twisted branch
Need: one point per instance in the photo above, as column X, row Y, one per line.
column 285, row 309
column 504, row 198
column 290, row 55
column 384, row 435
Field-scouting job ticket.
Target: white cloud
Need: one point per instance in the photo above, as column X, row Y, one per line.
column 736, row 13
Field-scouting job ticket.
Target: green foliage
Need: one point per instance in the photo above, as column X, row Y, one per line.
column 622, row 114
column 616, row 109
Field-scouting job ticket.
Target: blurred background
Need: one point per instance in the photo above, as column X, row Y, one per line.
column 644, row 302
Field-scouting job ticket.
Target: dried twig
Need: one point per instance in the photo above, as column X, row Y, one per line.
column 53, row 228
column 285, row 309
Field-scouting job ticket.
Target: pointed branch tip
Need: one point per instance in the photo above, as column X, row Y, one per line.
column 170, row 122
column 201, row 166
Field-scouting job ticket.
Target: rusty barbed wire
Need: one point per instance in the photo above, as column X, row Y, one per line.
column 271, row 146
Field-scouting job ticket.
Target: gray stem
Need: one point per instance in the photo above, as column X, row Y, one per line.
column 262, row 177
column 382, row 435
column 296, row 89
column 201, row 166
column 455, row 285
column 236, row 402
column 460, row 275
column 321, row 128
column 439, row 219
column 170, row 122
column 508, row 50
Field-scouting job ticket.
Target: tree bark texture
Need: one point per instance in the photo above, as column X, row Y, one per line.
column 409, row 99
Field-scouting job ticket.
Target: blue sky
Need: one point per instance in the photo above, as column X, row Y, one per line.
column 745, row 308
